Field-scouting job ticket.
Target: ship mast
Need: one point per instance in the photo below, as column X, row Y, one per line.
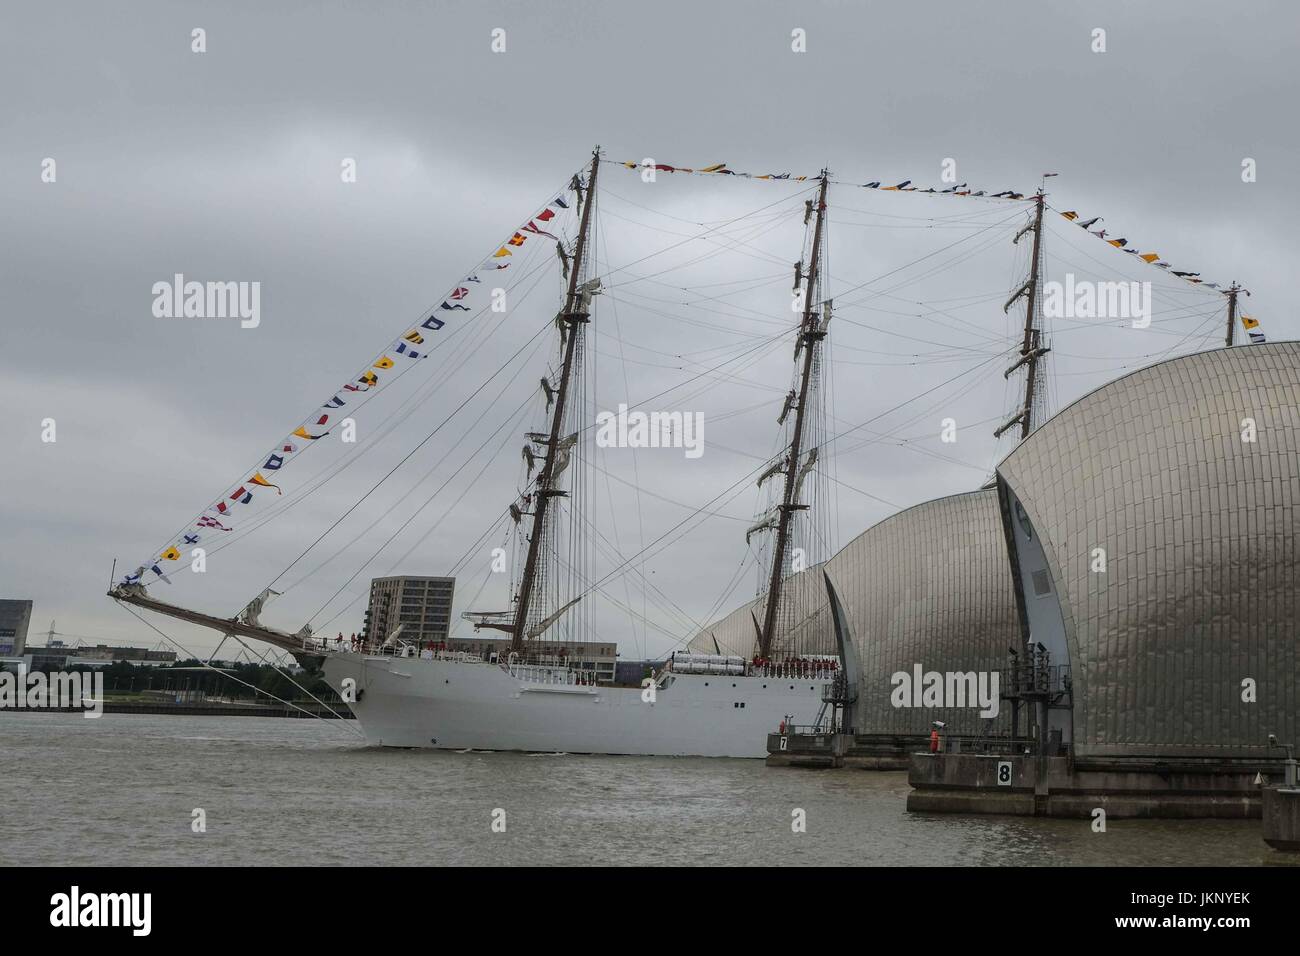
column 811, row 332
column 1031, row 349
column 576, row 313
column 1232, row 293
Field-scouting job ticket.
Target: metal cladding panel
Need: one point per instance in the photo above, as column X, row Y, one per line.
column 930, row 586
column 1199, row 596
column 804, row 591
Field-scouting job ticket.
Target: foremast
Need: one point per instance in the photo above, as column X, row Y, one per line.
column 812, row 329
column 571, row 321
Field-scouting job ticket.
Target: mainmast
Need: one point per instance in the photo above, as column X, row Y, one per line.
column 811, row 332
column 576, row 313
column 1031, row 349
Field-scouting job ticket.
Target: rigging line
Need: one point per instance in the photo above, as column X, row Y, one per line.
column 831, row 456
column 1158, row 292
column 686, row 299
column 929, row 255
column 289, row 678
column 756, row 316
column 675, row 245
column 605, row 191
column 833, row 438
column 735, row 239
column 722, row 249
column 727, row 591
column 958, row 217
column 507, row 424
column 636, row 471
column 408, row 407
column 424, row 537
column 671, row 501
column 696, row 301
column 422, row 443
column 893, row 333
column 478, row 542
column 218, row 670
column 1079, row 325
column 647, row 585
column 769, row 341
column 730, row 346
column 998, row 200
column 889, row 225
column 993, row 241
column 403, row 411
column 425, row 477
column 1181, row 286
column 437, row 346
column 976, row 301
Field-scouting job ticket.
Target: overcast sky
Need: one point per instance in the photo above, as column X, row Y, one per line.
column 225, row 165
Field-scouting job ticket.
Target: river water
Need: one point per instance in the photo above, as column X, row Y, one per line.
column 123, row 790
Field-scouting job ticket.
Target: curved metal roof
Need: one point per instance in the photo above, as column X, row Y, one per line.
column 1186, row 476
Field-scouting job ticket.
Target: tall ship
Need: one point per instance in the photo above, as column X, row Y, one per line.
column 538, row 691
column 542, row 682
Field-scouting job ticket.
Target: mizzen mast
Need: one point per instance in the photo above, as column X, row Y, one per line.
column 1032, row 349
column 812, row 329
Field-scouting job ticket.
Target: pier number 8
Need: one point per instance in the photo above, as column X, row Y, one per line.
column 1004, row 773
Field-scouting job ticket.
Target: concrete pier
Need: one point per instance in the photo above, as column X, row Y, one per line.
column 1282, row 818
column 860, row 751
column 1028, row 785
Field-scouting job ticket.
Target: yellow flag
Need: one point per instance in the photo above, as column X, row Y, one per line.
column 1249, row 323
column 503, row 251
column 414, row 337
column 1071, row 215
column 257, row 479
column 714, row 168
column 1149, row 256
column 171, row 554
column 384, row 362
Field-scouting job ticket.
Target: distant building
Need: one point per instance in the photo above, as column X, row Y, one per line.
column 57, row 655
column 15, row 617
column 421, row 604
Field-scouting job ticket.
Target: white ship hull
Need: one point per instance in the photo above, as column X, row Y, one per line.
column 459, row 705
